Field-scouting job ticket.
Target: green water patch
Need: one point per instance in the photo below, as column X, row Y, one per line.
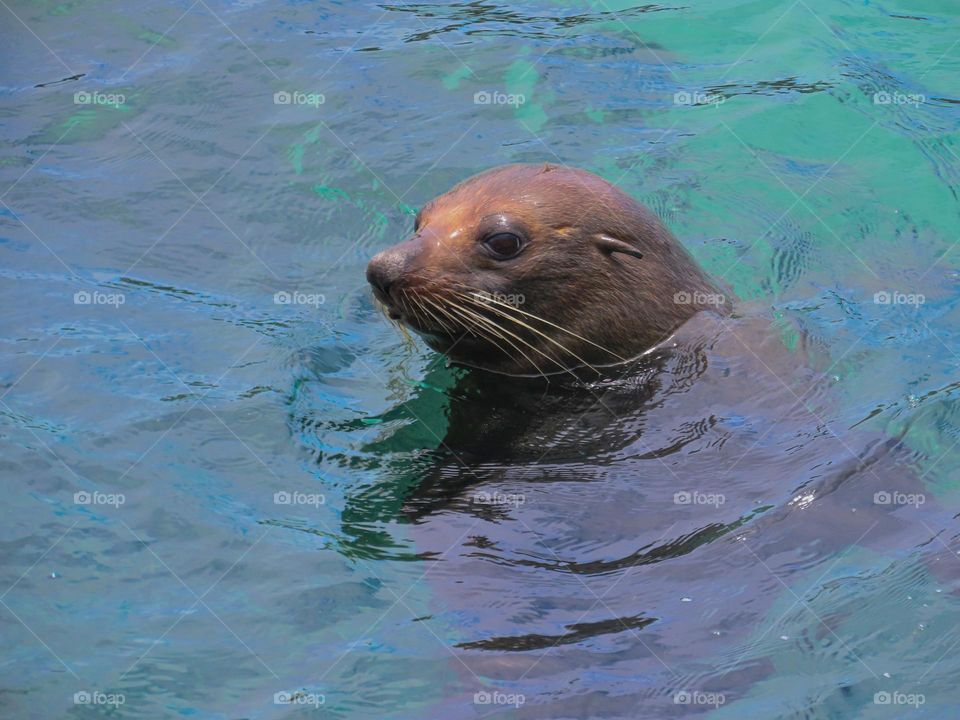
column 87, row 124
column 521, row 79
column 452, row 80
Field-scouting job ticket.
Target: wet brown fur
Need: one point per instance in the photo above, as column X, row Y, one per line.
column 566, row 273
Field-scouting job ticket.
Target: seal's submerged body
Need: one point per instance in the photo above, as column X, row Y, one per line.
column 589, row 530
column 538, row 269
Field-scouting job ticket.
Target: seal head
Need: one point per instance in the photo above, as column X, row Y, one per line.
column 539, row 269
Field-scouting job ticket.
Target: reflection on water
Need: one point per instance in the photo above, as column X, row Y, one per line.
column 233, row 491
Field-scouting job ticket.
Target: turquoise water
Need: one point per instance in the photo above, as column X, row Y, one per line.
column 214, row 493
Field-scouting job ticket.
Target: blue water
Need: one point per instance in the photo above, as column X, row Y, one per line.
column 225, row 476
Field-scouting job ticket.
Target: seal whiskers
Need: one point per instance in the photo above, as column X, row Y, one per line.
column 476, row 318
column 480, row 332
column 532, row 329
column 431, row 315
column 562, row 366
column 492, row 300
column 382, row 307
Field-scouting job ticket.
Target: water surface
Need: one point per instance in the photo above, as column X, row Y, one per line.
column 226, row 476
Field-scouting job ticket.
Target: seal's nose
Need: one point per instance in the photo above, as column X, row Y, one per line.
column 383, row 271
column 389, row 266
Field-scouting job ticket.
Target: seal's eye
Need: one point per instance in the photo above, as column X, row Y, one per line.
column 503, row 245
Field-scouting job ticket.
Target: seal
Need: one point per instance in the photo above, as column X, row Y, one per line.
column 538, row 270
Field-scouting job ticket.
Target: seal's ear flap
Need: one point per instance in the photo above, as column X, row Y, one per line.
column 612, row 245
